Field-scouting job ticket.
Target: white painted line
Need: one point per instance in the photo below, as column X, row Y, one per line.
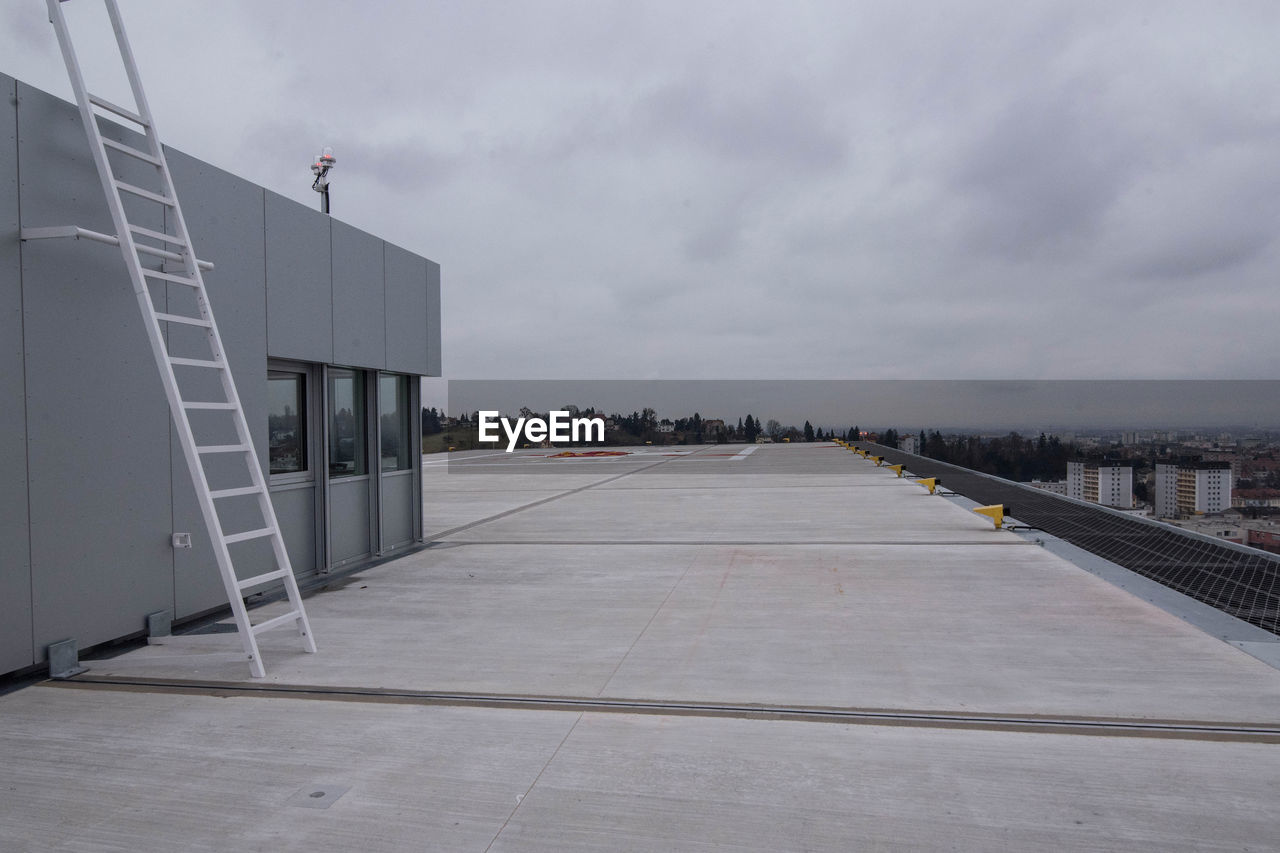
column 743, row 454
column 459, row 460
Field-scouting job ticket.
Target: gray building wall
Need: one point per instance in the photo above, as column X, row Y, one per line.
column 15, row 555
column 407, row 299
column 226, row 218
column 97, row 437
column 359, row 327
column 299, row 281
column 92, row 479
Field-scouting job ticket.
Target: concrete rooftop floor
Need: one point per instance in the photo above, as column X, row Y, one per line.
column 719, row 648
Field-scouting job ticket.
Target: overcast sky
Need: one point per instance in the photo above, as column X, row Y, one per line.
column 764, row 190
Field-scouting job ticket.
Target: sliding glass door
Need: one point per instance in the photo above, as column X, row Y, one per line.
column 351, row 507
column 293, row 419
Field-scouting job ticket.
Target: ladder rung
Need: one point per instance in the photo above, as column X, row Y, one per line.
column 196, row 362
column 291, row 616
column 248, row 534
column 223, row 448
column 171, row 239
column 221, row 407
column 168, row 276
column 177, row 318
column 231, row 493
column 148, row 194
column 257, row 579
column 131, row 151
column 118, row 110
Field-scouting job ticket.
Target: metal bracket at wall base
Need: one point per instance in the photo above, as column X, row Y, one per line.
column 159, row 624
column 64, row 659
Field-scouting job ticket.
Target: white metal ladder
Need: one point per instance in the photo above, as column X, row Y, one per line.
column 177, row 246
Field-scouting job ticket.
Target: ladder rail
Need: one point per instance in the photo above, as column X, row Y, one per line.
column 125, row 231
column 158, row 347
column 230, row 391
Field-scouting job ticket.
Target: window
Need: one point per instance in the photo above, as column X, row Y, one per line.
column 287, row 422
column 394, row 424
column 347, row 423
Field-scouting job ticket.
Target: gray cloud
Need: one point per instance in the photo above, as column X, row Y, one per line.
column 739, row 189
column 1043, row 174
column 782, row 128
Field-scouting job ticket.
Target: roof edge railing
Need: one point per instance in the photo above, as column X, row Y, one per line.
column 1119, row 513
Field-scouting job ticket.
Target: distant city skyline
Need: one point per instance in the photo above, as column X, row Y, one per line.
column 899, row 404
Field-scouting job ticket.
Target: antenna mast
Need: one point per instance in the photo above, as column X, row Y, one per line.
column 320, row 168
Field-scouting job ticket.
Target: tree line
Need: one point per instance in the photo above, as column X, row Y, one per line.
column 644, row 425
column 1013, row 457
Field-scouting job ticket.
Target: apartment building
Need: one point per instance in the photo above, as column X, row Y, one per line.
column 1192, row 488
column 1105, row 483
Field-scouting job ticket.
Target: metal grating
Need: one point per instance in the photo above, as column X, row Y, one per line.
column 1245, row 585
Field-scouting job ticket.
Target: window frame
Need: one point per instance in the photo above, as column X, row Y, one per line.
column 360, row 394
column 307, row 474
column 403, row 395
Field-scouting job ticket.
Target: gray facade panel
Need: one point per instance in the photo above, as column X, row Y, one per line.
column 296, row 511
column 434, row 367
column 407, row 311
column 349, row 534
column 226, row 220
column 359, row 304
column 299, row 282
column 397, row 509
column 16, row 650
column 97, row 419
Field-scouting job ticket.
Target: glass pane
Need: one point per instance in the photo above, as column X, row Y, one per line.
column 393, row 406
column 347, row 443
column 287, row 422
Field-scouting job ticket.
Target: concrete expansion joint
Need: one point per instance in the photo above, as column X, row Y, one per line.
column 781, row 543
column 1210, row 730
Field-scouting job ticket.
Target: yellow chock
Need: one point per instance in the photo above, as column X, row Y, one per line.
column 995, row 512
column 897, row 469
column 930, row 483
column 879, row 460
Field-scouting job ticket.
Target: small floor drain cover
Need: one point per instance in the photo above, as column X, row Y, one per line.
column 317, row 796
